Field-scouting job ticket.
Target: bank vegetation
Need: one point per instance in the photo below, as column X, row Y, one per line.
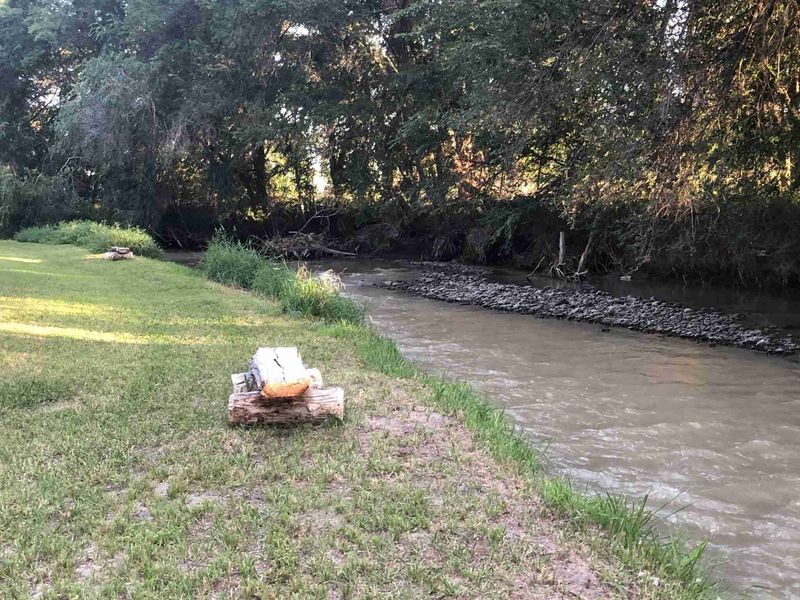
column 655, row 136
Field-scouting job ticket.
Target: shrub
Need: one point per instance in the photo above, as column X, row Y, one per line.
column 93, row 236
column 31, row 198
column 318, row 296
column 271, row 279
column 231, row 262
column 302, row 292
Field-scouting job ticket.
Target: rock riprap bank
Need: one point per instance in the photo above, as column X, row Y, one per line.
column 467, row 285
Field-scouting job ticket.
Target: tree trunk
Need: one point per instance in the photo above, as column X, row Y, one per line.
column 585, row 253
column 259, row 164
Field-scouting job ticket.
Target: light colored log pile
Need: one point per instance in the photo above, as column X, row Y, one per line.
column 278, row 388
column 118, row 253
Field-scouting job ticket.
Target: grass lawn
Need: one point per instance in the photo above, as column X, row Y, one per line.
column 119, row 476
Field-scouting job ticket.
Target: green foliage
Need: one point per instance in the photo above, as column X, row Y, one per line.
column 425, row 119
column 97, row 237
column 31, row 393
column 318, row 295
column 635, row 528
column 231, row 262
column 32, row 199
column 299, row 291
column 271, row 279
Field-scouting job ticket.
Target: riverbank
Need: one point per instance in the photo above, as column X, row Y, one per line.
column 468, row 285
column 120, row 475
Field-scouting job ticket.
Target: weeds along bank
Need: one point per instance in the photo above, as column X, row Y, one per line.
column 182, row 493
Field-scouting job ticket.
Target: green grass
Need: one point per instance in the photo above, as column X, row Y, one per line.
column 234, row 263
column 97, row 237
column 299, row 291
column 120, row 477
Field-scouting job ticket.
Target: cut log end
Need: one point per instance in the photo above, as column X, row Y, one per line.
column 279, row 372
column 278, row 388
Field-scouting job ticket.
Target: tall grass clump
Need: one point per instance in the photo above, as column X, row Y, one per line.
column 272, row 279
column 97, row 237
column 299, row 291
column 319, row 296
column 231, row 262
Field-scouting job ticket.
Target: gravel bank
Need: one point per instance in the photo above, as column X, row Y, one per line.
column 467, row 285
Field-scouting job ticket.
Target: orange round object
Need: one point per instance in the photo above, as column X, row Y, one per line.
column 285, row 390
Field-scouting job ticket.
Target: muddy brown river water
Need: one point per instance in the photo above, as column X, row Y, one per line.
column 714, row 430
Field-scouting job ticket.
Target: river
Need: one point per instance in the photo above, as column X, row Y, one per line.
column 712, row 430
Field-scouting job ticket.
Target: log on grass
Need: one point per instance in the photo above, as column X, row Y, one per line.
column 114, row 255
column 249, row 408
column 279, row 372
column 243, row 382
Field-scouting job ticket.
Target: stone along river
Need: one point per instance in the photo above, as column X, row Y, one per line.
column 713, row 429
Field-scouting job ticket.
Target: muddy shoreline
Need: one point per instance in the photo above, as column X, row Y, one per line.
column 462, row 284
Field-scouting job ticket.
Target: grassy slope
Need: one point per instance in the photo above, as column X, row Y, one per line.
column 119, row 475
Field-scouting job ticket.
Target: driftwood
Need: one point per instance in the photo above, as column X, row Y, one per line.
column 278, row 388
column 301, row 245
column 320, row 249
column 248, row 408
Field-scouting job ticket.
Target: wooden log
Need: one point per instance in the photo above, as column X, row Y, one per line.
column 243, row 382
column 248, row 408
column 113, row 255
column 279, row 372
column 316, row 378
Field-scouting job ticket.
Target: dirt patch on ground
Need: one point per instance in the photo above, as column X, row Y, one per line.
column 406, row 422
column 501, row 513
column 93, row 565
column 576, row 574
column 320, row 520
column 198, row 499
